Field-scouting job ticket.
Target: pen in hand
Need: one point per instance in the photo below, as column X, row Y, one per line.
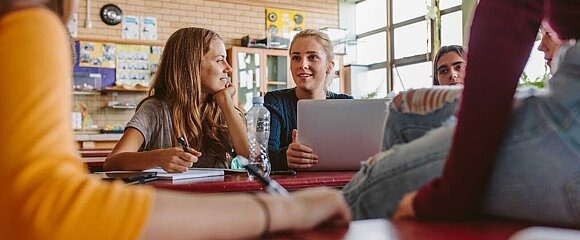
column 185, row 147
column 183, row 144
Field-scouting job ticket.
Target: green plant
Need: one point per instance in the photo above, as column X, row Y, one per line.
column 538, row 82
column 371, row 95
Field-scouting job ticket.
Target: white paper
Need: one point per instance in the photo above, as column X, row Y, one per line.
column 190, row 173
column 130, row 28
column 148, row 28
column 72, row 26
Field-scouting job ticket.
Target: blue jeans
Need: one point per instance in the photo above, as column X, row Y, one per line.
column 537, row 172
column 405, row 127
column 377, row 187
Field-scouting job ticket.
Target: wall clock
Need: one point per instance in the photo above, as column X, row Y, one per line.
column 111, row 14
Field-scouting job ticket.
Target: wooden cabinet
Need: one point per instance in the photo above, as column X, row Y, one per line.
column 257, row 70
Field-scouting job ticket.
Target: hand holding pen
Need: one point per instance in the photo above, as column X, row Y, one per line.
column 183, row 144
column 175, row 160
column 186, row 148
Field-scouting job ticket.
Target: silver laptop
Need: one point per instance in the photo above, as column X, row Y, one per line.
column 342, row 132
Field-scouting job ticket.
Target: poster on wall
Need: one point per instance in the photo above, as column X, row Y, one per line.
column 96, row 54
column 133, row 65
column 284, row 23
column 136, row 64
column 148, row 28
column 130, row 28
column 154, row 58
column 71, row 25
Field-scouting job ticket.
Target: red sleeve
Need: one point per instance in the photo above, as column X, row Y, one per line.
column 501, row 38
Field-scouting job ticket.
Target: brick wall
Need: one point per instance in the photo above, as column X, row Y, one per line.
column 232, row 19
column 102, row 115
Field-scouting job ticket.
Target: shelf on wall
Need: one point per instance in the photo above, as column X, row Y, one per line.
column 124, row 107
column 112, row 90
column 86, row 93
column 125, row 89
column 123, row 41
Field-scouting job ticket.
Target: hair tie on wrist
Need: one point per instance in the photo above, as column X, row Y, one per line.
column 263, row 205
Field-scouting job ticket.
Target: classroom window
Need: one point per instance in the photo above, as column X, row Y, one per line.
column 366, row 22
column 451, row 29
column 412, row 76
column 412, row 39
column 374, row 85
column 372, row 49
column 536, row 68
column 406, row 60
column 407, row 9
column 444, row 4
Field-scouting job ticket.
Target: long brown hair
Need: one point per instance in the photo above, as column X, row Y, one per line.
column 177, row 83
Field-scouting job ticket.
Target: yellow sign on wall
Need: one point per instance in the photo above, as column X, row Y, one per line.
column 284, row 23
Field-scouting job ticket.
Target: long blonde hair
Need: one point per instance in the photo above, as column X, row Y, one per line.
column 178, row 84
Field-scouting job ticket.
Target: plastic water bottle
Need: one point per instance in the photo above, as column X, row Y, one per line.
column 258, row 127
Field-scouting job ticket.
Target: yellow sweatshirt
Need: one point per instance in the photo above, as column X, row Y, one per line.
column 45, row 191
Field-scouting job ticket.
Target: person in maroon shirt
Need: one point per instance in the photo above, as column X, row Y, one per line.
column 509, row 157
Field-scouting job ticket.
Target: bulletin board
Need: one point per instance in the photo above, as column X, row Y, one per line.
column 116, row 64
column 97, row 54
column 133, row 65
column 284, row 23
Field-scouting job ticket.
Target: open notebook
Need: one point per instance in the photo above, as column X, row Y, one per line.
column 190, row 173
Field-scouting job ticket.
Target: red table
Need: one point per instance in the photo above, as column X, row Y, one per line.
column 238, row 182
column 412, row 229
column 378, row 229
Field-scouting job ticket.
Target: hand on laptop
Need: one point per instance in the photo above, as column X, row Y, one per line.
column 299, row 156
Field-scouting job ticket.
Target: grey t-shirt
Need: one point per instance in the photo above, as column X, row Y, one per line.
column 153, row 120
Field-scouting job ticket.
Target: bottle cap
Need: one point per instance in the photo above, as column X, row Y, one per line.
column 258, row 99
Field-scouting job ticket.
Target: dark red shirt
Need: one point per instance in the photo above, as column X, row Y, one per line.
column 501, row 39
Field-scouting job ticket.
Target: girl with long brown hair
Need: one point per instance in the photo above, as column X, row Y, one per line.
column 191, row 97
